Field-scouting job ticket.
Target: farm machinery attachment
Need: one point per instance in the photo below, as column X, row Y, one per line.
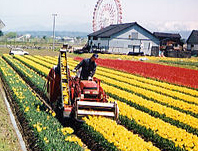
column 77, row 98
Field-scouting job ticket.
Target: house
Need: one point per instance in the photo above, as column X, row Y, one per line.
column 192, row 42
column 127, row 38
column 25, row 37
column 169, row 41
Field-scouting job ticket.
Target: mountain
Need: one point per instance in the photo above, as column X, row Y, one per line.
column 70, row 27
column 184, row 34
column 50, row 33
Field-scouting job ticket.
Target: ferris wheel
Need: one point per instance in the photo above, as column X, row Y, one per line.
column 106, row 12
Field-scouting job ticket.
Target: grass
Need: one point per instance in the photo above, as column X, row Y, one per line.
column 8, row 138
column 43, row 52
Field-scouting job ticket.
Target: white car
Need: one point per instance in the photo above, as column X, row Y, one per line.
column 18, row 51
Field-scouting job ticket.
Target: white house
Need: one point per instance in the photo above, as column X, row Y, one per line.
column 124, row 39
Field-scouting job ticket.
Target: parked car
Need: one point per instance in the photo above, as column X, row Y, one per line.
column 18, row 51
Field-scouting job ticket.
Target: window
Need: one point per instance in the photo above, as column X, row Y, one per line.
column 130, row 46
column 95, row 38
column 134, row 35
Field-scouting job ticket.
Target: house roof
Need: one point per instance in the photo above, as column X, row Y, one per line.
column 161, row 35
column 193, row 38
column 107, row 32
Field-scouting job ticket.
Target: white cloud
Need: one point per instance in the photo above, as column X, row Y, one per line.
column 165, row 26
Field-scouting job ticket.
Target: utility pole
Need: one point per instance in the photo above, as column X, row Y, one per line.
column 54, row 30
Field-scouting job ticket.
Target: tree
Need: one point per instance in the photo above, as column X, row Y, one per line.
column 11, row 35
column 44, row 37
column 1, row 33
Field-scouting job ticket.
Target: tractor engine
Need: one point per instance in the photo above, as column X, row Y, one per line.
column 89, row 90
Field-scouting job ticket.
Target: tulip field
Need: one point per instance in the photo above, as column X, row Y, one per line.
column 158, row 106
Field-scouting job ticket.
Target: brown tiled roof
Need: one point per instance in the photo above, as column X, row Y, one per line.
column 161, row 35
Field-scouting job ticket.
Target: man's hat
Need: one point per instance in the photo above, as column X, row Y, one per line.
column 65, row 46
column 95, row 55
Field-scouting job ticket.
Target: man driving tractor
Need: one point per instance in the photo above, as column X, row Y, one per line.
column 76, row 97
column 88, row 67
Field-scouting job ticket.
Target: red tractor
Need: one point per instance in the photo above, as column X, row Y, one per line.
column 77, row 98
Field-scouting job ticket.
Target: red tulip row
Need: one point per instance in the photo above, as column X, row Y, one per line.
column 181, row 76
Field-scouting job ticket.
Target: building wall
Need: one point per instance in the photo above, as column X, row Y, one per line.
column 103, row 43
column 188, row 46
column 195, row 47
column 124, row 42
column 192, row 48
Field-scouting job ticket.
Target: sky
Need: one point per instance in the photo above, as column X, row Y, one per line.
column 77, row 15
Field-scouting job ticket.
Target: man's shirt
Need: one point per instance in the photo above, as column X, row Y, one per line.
column 88, row 68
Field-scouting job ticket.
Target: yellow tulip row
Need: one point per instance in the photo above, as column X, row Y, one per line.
column 50, row 58
column 119, row 135
column 136, row 137
column 123, row 57
column 29, row 75
column 72, row 137
column 75, row 139
column 34, row 64
column 54, row 61
column 179, row 136
column 19, row 93
column 17, row 61
column 153, row 95
column 40, row 61
column 64, row 76
column 153, row 82
column 169, row 112
column 69, row 130
column 157, row 96
column 144, row 83
column 179, row 62
column 46, row 62
column 44, row 58
column 173, row 59
column 149, row 86
column 176, row 115
column 188, row 118
column 137, row 144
